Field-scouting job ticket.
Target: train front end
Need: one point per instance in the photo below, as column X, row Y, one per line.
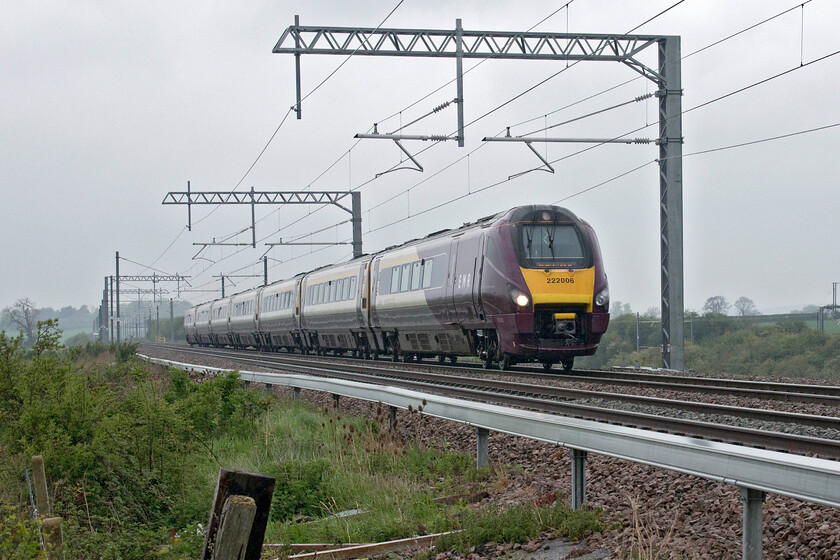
column 557, row 294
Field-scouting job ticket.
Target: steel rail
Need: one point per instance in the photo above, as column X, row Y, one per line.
column 817, row 421
column 706, row 430
column 833, row 390
column 630, row 377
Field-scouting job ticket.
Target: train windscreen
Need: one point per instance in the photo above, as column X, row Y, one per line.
column 551, row 245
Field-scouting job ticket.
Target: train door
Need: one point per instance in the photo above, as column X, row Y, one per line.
column 464, row 278
column 477, row 276
column 452, row 283
column 366, row 294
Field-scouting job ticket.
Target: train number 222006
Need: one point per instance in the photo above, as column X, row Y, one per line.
column 560, row 281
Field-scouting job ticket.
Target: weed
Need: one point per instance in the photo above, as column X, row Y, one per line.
column 649, row 543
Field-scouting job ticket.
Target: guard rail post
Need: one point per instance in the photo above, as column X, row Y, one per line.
column 482, row 457
column 753, row 500
column 578, row 458
column 392, row 417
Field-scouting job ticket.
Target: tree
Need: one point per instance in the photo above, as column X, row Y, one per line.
column 745, row 306
column 716, row 305
column 23, row 315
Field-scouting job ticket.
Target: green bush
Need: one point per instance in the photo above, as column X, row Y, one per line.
column 18, row 534
column 119, row 441
column 300, row 489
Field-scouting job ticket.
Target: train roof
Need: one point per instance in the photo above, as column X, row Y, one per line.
column 486, row 220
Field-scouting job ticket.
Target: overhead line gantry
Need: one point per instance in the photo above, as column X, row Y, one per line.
column 459, row 44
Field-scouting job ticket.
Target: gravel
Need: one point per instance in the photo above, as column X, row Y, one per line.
column 685, row 516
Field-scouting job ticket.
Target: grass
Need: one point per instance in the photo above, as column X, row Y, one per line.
column 326, row 463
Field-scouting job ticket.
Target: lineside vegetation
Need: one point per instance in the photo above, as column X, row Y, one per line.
column 132, row 454
column 726, row 345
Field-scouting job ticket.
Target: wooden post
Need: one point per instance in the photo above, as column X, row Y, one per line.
column 234, row 528
column 260, row 488
column 53, row 538
column 39, row 480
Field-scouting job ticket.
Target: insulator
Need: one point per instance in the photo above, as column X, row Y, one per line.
column 441, row 107
column 438, row 137
column 643, row 97
column 641, row 140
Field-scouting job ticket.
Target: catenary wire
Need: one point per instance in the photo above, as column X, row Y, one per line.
column 731, row 93
column 565, row 6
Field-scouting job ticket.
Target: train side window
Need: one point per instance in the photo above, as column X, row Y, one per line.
column 416, row 275
column 405, row 277
column 428, row 266
column 322, row 293
column 352, row 288
column 395, row 280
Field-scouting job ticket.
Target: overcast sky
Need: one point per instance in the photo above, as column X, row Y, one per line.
column 107, row 106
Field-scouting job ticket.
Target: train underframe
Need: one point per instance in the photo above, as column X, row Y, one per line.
column 551, row 335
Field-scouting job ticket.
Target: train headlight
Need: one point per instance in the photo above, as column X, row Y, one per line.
column 603, row 298
column 519, row 297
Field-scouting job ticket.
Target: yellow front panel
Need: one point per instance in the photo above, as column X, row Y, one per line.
column 559, row 286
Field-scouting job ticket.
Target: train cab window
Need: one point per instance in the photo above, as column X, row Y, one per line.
column 552, row 245
column 405, row 277
column 395, row 280
column 416, row 275
column 428, row 265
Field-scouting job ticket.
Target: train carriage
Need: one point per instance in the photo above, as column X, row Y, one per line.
column 202, row 324
column 220, row 322
column 544, row 287
column 334, row 314
column 189, row 326
column 243, row 319
column 411, row 311
column 278, row 321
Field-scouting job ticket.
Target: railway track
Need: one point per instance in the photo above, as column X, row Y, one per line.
column 706, row 420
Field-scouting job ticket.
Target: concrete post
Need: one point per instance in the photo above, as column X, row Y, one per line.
column 53, row 538
column 753, row 500
column 578, row 478
column 39, row 480
column 482, row 456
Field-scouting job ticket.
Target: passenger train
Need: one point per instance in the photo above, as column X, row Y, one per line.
column 524, row 285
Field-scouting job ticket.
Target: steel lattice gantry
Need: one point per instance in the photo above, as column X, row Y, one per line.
column 253, row 198
column 505, row 45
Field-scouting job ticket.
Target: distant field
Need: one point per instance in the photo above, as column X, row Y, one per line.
column 72, row 332
column 831, row 326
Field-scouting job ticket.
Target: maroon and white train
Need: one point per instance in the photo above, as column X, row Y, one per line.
column 523, row 285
